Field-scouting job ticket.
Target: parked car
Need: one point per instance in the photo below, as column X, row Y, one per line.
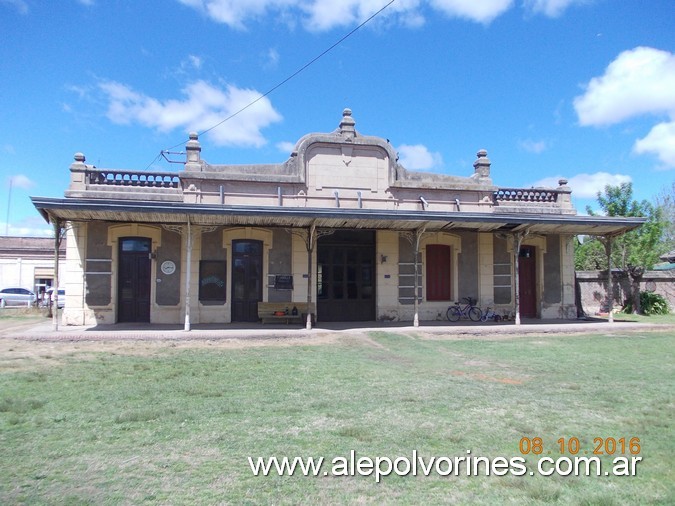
column 16, row 297
column 49, row 297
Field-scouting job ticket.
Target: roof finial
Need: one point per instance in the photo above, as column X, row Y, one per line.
column 193, row 150
column 347, row 124
column 482, row 165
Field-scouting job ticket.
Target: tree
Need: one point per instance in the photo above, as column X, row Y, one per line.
column 665, row 201
column 589, row 255
column 632, row 252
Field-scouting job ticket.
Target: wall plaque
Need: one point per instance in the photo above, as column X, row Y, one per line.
column 283, row 282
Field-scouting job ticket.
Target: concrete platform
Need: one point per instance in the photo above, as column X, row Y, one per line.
column 43, row 330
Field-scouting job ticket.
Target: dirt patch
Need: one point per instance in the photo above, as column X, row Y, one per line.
column 25, row 345
column 485, row 377
column 14, row 348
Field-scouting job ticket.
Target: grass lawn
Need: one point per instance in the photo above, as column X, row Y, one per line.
column 175, row 424
column 657, row 318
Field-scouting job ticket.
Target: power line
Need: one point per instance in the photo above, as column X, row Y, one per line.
column 294, row 74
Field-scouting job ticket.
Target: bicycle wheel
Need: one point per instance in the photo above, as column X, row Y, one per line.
column 453, row 313
column 475, row 314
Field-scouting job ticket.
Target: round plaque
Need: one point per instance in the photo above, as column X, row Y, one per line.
column 168, row 267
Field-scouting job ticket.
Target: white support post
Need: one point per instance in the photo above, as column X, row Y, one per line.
column 57, row 244
column 416, row 318
column 311, row 233
column 418, row 236
column 517, row 243
column 188, row 268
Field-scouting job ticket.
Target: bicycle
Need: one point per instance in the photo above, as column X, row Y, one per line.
column 469, row 311
column 489, row 314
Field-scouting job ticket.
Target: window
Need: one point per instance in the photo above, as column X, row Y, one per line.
column 212, row 280
column 136, row 244
column 438, row 272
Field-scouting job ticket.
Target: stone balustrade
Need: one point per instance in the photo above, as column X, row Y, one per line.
column 132, row 178
column 526, row 195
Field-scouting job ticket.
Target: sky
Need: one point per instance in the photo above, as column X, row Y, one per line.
column 576, row 89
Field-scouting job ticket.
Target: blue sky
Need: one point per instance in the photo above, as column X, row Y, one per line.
column 581, row 89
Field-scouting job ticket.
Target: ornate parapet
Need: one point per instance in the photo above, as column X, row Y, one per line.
column 90, row 182
column 548, row 200
column 525, row 195
column 138, row 179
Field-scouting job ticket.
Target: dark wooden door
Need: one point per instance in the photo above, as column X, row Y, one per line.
column 133, row 284
column 527, row 279
column 247, row 276
column 346, row 276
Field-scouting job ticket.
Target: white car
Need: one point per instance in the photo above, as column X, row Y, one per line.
column 16, row 297
column 49, row 297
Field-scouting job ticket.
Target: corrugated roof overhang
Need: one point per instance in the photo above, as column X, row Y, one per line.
column 377, row 219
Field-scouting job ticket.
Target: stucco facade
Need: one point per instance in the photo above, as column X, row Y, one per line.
column 340, row 224
column 28, row 262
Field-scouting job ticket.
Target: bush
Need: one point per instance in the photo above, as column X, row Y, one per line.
column 651, row 304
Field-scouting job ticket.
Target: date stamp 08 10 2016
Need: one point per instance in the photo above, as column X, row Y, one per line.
column 571, row 445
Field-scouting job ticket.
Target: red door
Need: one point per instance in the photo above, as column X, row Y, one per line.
column 527, row 279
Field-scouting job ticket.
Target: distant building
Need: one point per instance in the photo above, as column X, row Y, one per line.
column 28, row 262
column 340, row 224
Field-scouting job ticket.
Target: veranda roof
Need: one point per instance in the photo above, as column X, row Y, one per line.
column 83, row 210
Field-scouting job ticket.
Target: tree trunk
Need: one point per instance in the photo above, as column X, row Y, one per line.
column 635, row 273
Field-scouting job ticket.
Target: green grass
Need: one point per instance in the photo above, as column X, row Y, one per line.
column 177, row 426
column 10, row 314
column 657, row 318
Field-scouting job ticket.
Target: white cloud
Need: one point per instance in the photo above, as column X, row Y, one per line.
column 203, row 107
column 286, row 147
column 532, row 146
column 20, row 5
column 585, row 185
column 82, row 92
column 660, row 141
column 482, row 11
column 194, row 62
column 551, row 8
column 33, row 226
column 234, row 12
column 638, row 82
column 21, row 181
column 9, row 149
column 271, row 59
column 189, row 66
column 418, row 157
column 321, row 15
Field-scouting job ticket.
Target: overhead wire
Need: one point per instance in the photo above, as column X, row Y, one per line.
column 287, row 79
